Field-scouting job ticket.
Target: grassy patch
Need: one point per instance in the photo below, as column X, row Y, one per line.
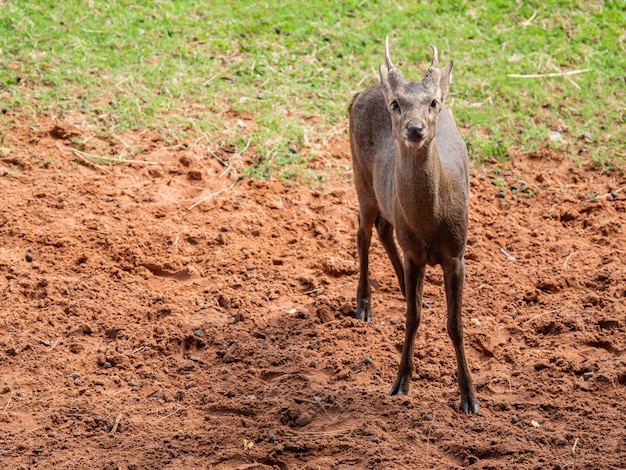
column 276, row 77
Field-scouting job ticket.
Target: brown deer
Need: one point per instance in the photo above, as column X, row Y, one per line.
column 411, row 173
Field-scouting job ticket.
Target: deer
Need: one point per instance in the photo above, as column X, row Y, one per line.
column 410, row 167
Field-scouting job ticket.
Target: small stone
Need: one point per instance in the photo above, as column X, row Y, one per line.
column 555, row 136
column 501, row 194
column 29, row 257
column 194, row 358
column 304, row 419
column 367, row 361
column 199, row 333
column 514, row 419
column 271, row 438
column 107, row 365
column 313, row 364
column 587, row 375
column 132, row 383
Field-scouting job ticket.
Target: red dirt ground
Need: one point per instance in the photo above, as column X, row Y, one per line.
column 140, row 334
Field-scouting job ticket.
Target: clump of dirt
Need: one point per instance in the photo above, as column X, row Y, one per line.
column 136, row 333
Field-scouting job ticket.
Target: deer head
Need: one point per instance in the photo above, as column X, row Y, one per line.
column 414, row 107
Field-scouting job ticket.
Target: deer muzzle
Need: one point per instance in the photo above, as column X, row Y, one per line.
column 413, row 135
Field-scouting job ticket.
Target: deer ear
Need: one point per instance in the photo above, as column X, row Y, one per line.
column 445, row 79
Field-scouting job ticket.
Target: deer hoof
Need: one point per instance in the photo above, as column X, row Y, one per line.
column 363, row 311
column 469, row 405
column 400, row 387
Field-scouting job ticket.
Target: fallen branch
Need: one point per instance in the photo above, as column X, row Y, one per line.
column 544, row 75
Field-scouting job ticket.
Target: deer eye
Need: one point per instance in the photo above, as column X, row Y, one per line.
column 395, row 106
column 433, row 104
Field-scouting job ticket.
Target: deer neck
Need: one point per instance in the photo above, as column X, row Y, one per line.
column 421, row 182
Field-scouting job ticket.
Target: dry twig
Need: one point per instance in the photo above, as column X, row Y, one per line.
column 574, row 446
column 8, row 401
column 115, row 425
column 568, row 258
column 556, row 310
column 54, row 345
column 611, row 193
column 212, row 195
column 167, row 416
column 90, row 157
column 545, row 75
column 530, row 20
column 339, row 432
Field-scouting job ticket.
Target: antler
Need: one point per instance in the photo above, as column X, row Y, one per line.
column 435, row 62
column 387, row 59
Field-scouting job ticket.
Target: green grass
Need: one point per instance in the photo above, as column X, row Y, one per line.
column 267, row 76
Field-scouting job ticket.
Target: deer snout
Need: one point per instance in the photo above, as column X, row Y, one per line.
column 414, row 134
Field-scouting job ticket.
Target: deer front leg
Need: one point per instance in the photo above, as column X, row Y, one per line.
column 414, row 275
column 454, row 277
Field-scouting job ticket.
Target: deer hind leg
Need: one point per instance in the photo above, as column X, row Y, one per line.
column 385, row 234
column 367, row 217
column 454, row 277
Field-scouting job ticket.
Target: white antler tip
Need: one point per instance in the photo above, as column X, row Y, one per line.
column 435, row 61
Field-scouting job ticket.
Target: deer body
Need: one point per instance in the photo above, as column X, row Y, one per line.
column 411, row 174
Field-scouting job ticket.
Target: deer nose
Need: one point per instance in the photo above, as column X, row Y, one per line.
column 414, row 132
